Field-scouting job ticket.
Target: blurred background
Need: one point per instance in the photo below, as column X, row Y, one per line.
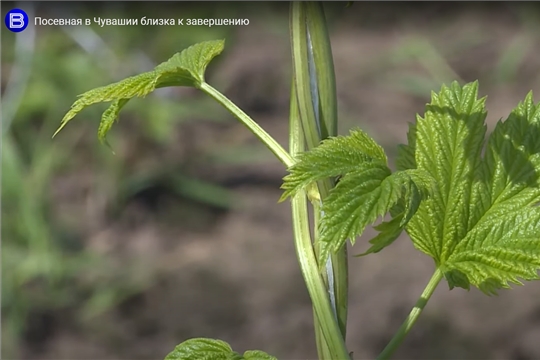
column 178, row 234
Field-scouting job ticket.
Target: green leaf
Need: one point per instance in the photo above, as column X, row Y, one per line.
column 417, row 188
column 203, row 349
column 389, row 231
column 448, row 144
column 365, row 194
column 476, row 215
column 183, row 69
column 187, row 67
column 333, row 157
column 210, row 349
column 482, row 225
column 366, row 191
column 108, row 118
column 493, row 267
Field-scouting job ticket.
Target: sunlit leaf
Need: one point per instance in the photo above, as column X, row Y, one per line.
column 183, row 69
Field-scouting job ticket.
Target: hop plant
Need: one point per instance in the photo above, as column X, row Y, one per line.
column 474, row 214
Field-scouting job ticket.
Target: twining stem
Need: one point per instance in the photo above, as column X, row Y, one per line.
column 258, row 131
column 330, row 343
column 315, row 90
column 308, row 264
column 322, row 348
column 413, row 316
column 325, row 106
column 320, row 51
column 314, row 95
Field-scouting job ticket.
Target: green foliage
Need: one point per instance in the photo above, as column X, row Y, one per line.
column 183, row 69
column 366, row 190
column 475, row 215
column 210, row 349
column 334, row 157
column 481, row 227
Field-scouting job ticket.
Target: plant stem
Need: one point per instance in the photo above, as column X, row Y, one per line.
column 413, row 316
column 317, row 291
column 330, row 343
column 314, row 90
column 322, row 69
column 266, row 138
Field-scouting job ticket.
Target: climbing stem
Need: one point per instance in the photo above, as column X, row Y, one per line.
column 330, row 342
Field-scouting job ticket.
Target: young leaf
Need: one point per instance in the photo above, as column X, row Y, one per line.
column 108, row 118
column 365, row 194
column 417, row 188
column 389, row 231
column 204, row 349
column 183, row 69
column 449, row 142
column 366, row 191
column 333, row 157
column 210, row 349
column 476, row 216
column 481, row 226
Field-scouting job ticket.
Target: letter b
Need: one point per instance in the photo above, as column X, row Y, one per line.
column 16, row 20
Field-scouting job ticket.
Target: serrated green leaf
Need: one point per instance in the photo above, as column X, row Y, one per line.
column 366, row 190
column 203, row 349
column 108, row 118
column 448, row 144
column 192, row 60
column 333, row 157
column 183, row 69
column 365, row 194
column 258, row 355
column 210, row 349
column 389, row 231
column 482, row 226
column 493, row 267
column 476, row 216
column 417, row 186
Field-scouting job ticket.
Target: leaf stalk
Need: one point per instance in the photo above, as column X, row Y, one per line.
column 258, row 131
column 413, row 316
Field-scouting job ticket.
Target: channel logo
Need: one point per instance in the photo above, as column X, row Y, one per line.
column 16, row 20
